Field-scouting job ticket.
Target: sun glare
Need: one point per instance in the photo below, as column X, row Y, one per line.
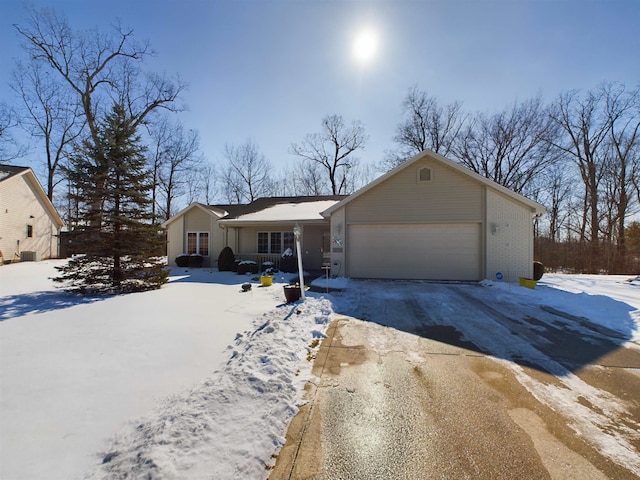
column 365, row 46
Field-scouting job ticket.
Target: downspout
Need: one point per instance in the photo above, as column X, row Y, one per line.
column 484, row 230
column 184, row 234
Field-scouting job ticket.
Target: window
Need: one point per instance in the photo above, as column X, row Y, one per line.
column 424, row 174
column 263, row 242
column 29, row 231
column 275, row 242
column 198, row 242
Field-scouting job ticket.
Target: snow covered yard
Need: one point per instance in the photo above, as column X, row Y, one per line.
column 208, row 375
column 196, row 380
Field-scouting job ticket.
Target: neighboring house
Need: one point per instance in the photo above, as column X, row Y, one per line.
column 29, row 223
column 429, row 218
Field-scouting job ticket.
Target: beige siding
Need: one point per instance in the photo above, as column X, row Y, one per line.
column 248, row 238
column 509, row 238
column 197, row 220
column 194, row 220
column 20, row 206
column 448, row 197
column 175, row 240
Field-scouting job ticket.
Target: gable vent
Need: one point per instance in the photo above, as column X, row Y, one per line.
column 424, row 174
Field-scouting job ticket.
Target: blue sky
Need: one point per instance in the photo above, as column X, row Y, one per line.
column 271, row 69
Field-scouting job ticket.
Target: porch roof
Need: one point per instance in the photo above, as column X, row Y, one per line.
column 289, row 212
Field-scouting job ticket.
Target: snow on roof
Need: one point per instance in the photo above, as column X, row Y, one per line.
column 288, row 212
column 7, row 171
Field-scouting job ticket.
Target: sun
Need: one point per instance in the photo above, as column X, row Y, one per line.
column 365, row 46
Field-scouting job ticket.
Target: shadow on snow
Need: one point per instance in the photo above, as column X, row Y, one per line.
column 15, row 306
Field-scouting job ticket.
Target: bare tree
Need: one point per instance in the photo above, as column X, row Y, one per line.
column 100, row 69
column 556, row 194
column 333, row 150
column 247, row 175
column 509, row 147
column 308, row 179
column 48, row 114
column 159, row 133
column 98, row 66
column 208, row 181
column 585, row 131
column 176, row 156
column 10, row 149
column 623, row 113
column 426, row 125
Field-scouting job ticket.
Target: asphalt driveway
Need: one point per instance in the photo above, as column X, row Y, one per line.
column 424, row 381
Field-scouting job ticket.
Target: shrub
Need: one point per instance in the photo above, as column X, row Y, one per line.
column 538, row 270
column 226, row 260
column 247, row 266
column 196, row 260
column 289, row 264
column 182, row 260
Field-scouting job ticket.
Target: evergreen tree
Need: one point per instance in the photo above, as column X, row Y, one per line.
column 114, row 230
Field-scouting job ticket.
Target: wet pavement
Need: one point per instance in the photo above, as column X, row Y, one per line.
column 444, row 381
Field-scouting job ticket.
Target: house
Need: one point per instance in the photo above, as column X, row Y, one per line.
column 429, row 218
column 29, row 223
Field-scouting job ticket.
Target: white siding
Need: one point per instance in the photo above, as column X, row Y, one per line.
column 509, row 238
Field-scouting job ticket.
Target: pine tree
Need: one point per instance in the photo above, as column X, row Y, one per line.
column 121, row 246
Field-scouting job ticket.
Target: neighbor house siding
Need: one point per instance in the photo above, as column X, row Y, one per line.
column 18, row 203
column 509, row 238
column 448, row 197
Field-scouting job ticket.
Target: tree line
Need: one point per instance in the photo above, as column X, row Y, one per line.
column 578, row 154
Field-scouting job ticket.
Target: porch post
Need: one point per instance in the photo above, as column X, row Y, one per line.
column 297, row 231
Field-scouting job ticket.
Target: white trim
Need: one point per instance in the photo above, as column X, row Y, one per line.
column 198, row 235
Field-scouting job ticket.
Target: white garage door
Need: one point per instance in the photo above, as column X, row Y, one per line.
column 433, row 252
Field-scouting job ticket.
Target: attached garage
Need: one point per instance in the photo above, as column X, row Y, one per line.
column 415, row 251
column 431, row 218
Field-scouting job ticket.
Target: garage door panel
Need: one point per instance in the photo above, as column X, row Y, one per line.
column 436, row 252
